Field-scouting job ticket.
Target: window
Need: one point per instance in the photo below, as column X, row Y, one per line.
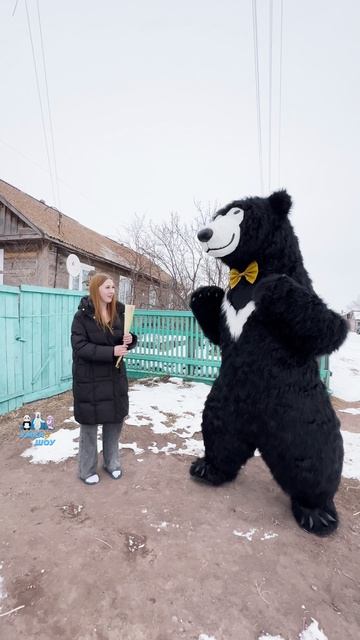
column 80, row 282
column 1, row 266
column 125, row 290
column 152, row 296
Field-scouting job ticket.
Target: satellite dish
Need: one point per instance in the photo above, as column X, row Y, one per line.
column 73, row 265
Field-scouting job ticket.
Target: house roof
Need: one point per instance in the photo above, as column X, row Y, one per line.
column 63, row 230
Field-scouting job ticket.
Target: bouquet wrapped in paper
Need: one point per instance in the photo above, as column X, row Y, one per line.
column 129, row 312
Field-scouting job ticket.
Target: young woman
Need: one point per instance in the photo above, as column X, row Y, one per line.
column 100, row 388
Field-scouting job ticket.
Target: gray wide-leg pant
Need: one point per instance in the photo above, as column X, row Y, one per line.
column 88, row 455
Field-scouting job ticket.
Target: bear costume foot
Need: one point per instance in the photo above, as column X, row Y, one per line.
column 205, row 471
column 321, row 522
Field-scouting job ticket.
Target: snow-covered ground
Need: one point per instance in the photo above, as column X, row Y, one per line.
column 345, row 367
column 173, row 407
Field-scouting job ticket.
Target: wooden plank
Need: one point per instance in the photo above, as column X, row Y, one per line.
column 7, row 223
column 10, row 370
column 46, row 351
column 60, row 292
column 4, row 385
column 21, row 236
column 42, row 270
column 2, row 219
column 6, row 288
column 52, row 372
column 21, row 253
column 14, row 225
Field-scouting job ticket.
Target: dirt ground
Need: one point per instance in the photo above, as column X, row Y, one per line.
column 157, row 556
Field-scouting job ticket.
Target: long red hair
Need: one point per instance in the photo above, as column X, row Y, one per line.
column 95, row 283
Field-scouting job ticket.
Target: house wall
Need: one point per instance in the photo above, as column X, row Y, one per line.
column 59, row 277
column 21, row 262
column 41, row 263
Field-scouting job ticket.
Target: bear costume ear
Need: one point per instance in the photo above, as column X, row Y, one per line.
column 280, row 202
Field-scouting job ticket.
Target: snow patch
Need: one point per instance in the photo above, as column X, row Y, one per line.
column 3, row 595
column 137, row 421
column 353, row 410
column 162, row 525
column 345, row 367
column 167, row 408
column 268, row 536
column 133, row 446
column 245, row 534
column 64, row 447
column 312, row 632
column 351, row 468
column 192, row 447
column 168, row 448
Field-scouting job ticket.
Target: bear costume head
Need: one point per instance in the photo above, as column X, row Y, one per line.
column 256, row 229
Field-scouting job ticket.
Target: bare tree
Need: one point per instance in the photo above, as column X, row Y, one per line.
column 174, row 247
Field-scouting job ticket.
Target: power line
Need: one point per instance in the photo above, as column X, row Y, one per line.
column 40, row 101
column 257, row 85
column 16, row 4
column 270, row 86
column 35, row 163
column 48, row 104
column 280, row 89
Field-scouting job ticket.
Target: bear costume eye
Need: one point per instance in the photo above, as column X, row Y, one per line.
column 234, row 211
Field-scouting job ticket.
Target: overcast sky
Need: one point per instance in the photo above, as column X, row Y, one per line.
column 154, row 107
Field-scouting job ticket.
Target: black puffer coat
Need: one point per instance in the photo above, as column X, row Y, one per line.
column 100, row 389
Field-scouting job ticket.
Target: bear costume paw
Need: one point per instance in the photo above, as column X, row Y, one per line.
column 205, row 471
column 207, row 296
column 320, row 521
column 205, row 304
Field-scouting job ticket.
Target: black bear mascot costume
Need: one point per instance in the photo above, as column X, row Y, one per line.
column 271, row 327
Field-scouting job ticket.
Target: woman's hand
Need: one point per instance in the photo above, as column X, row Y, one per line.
column 127, row 338
column 120, row 350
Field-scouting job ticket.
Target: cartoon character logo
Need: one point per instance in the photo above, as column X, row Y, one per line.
column 50, row 422
column 26, row 425
column 37, row 422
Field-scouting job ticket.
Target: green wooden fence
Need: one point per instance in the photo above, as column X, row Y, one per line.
column 36, row 353
column 34, row 342
column 172, row 343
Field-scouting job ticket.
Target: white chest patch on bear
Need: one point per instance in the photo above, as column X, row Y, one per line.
column 236, row 320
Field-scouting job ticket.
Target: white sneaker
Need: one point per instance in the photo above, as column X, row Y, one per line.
column 114, row 474
column 92, row 479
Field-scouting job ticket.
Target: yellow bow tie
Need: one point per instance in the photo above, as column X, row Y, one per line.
column 250, row 273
